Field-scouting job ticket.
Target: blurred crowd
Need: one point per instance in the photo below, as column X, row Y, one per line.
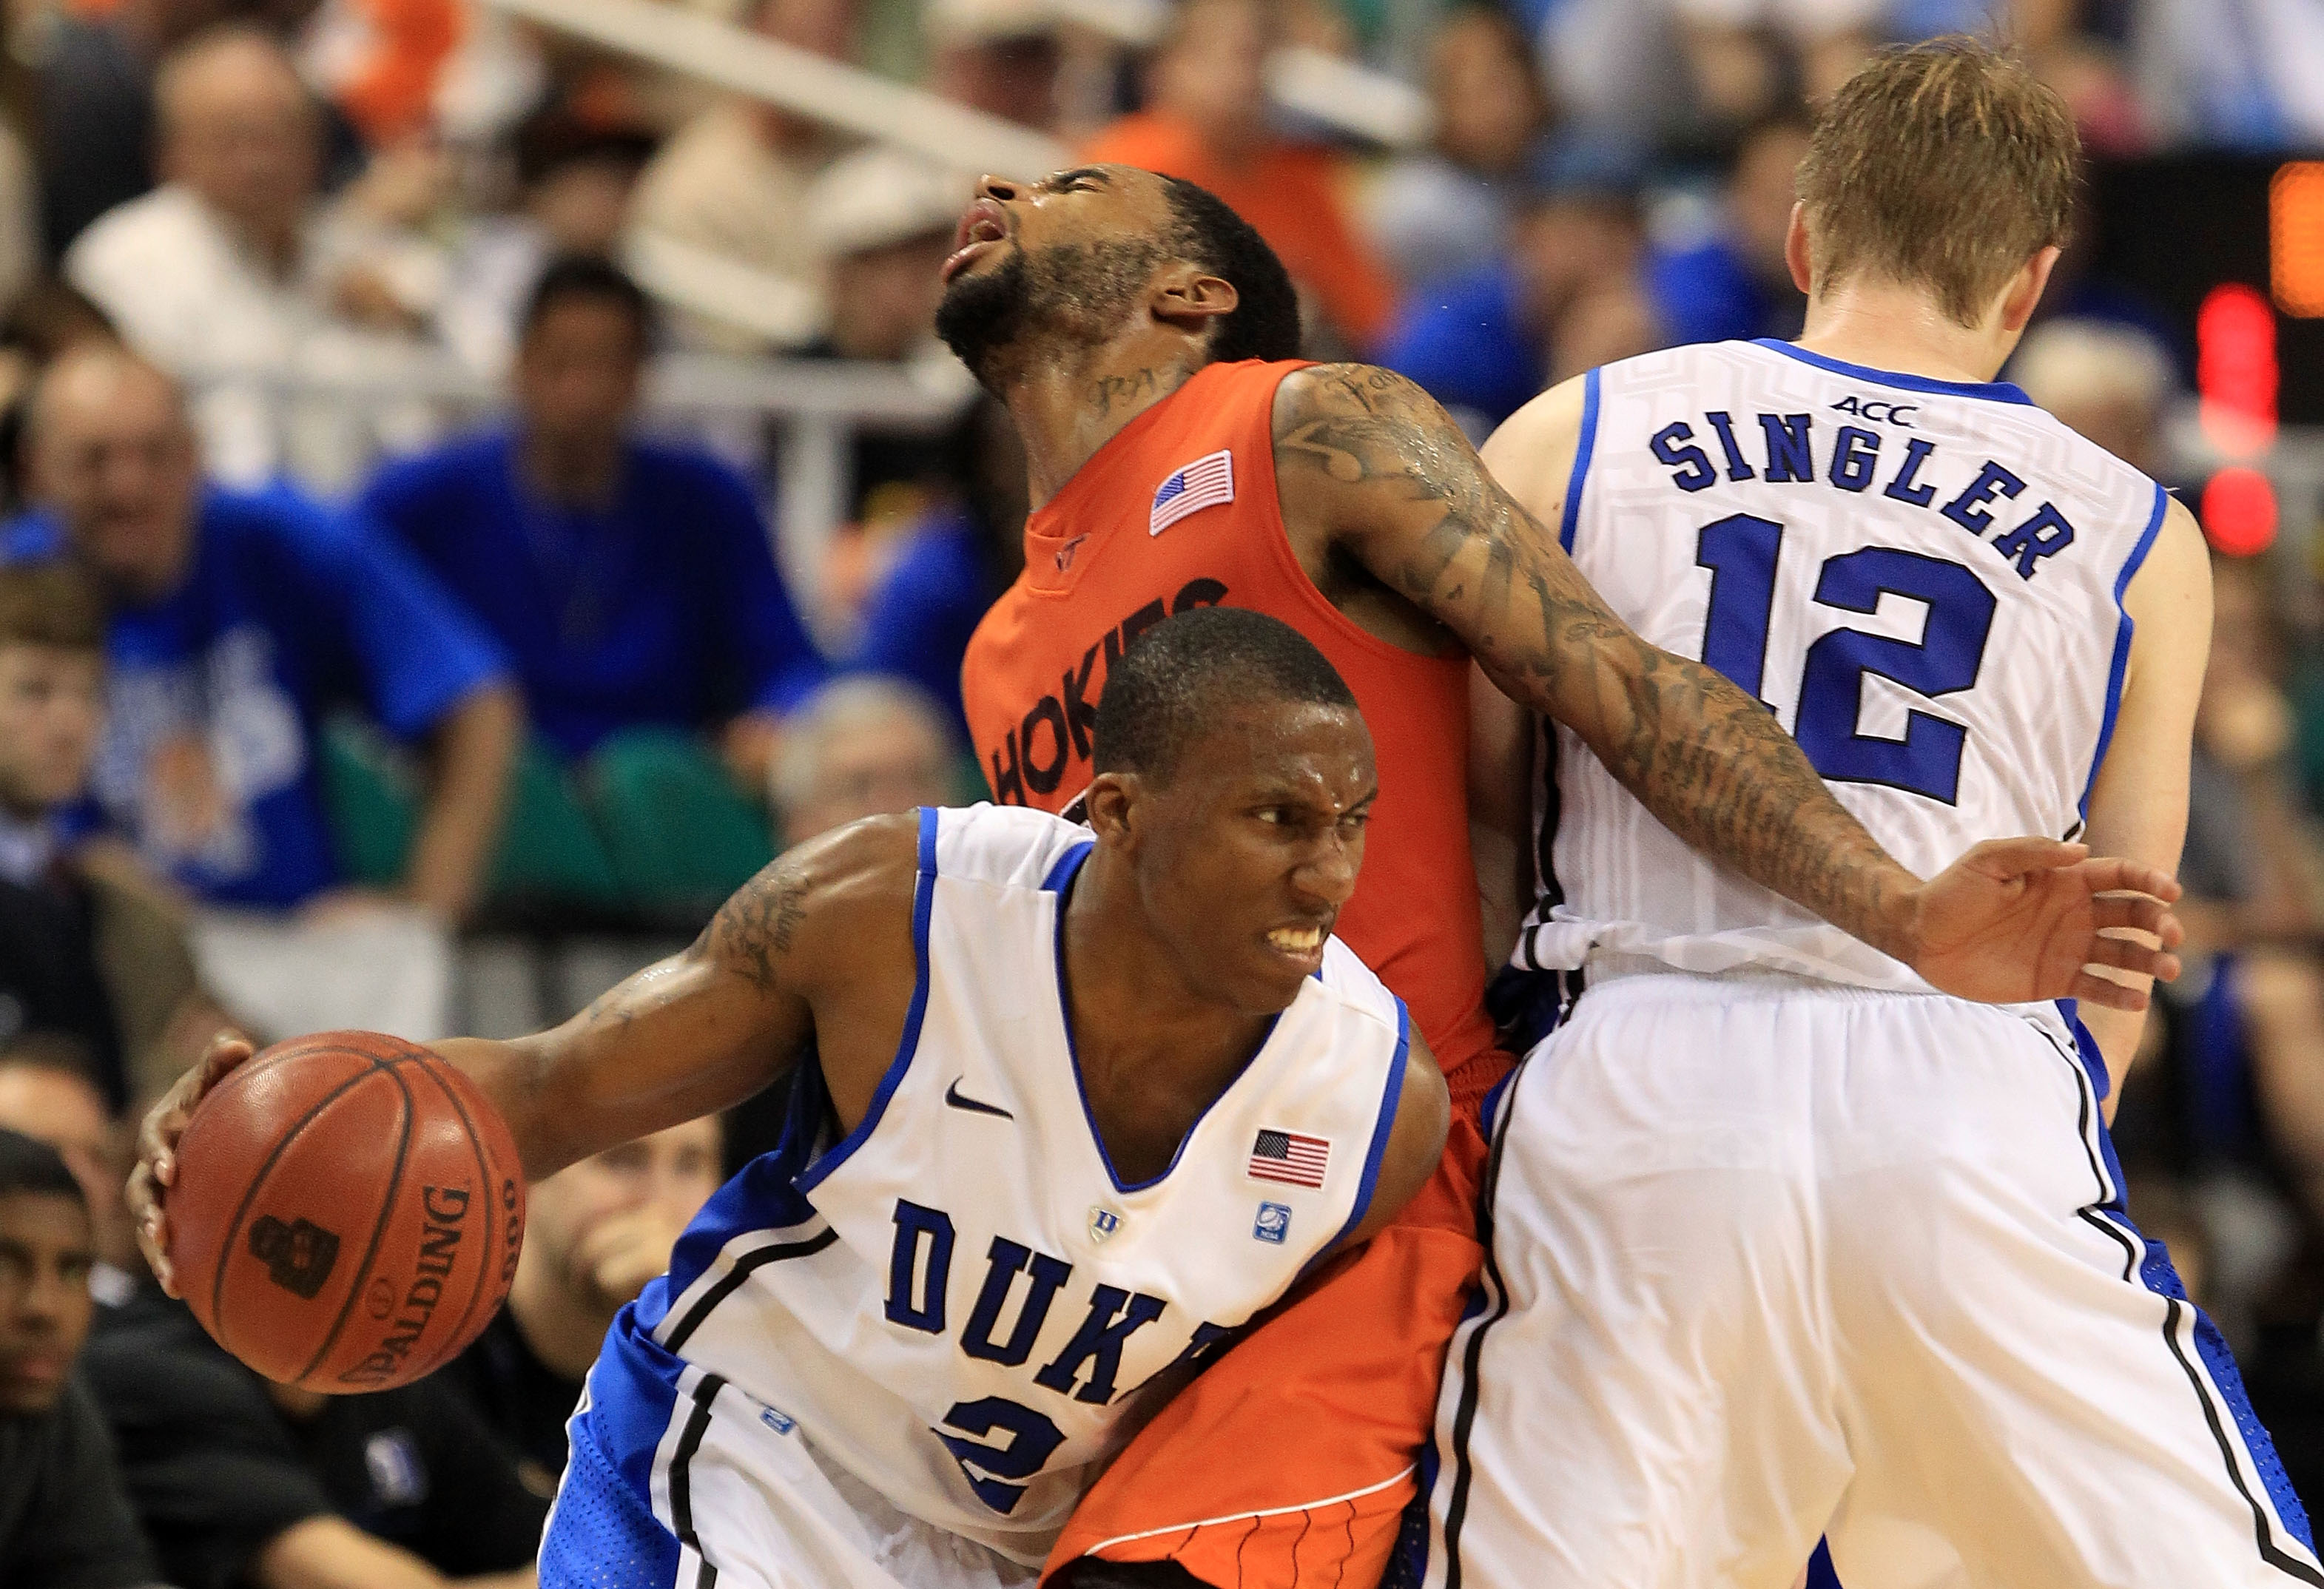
column 374, row 584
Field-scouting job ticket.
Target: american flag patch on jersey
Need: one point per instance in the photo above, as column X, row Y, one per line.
column 1290, row 1158
column 1206, row 482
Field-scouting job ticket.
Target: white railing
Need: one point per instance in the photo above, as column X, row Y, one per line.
column 1340, row 94
column 813, row 408
column 827, row 91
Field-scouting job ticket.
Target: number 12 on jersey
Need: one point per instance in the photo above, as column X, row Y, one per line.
column 1741, row 551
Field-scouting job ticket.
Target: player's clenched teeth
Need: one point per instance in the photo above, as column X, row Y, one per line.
column 1296, row 939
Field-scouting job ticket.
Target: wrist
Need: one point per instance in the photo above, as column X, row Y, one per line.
column 1895, row 928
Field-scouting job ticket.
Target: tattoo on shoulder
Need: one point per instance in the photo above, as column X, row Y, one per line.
column 1464, row 549
column 1709, row 761
column 760, row 925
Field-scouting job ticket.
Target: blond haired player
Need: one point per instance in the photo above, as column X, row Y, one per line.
column 1785, row 1243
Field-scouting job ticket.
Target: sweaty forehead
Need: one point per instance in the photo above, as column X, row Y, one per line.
column 1300, row 748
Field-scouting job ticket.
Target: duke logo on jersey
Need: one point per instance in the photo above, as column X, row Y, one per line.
column 1921, row 579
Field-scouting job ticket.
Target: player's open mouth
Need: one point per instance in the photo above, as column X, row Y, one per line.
column 985, row 225
column 1304, row 944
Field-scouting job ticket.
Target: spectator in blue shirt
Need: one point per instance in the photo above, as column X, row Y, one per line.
column 1565, row 297
column 1730, row 282
column 238, row 621
column 631, row 582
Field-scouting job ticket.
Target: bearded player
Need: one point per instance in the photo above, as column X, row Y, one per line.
column 1141, row 336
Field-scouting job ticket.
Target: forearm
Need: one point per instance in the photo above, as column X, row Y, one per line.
column 1717, row 769
column 473, row 749
column 2117, row 1034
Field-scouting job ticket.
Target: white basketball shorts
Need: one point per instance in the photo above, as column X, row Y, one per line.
column 678, row 1479
column 1774, row 1259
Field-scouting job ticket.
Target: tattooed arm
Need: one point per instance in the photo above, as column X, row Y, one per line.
column 1367, row 462
column 821, row 939
column 707, row 1028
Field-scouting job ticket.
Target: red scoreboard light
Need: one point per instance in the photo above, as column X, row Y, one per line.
column 2236, row 370
column 2295, row 237
column 2238, row 512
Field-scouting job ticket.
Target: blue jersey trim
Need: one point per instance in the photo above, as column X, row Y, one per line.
column 1382, row 1132
column 603, row 1530
column 1999, row 392
column 1074, row 1055
column 2122, row 634
column 1061, row 875
column 2220, row 1387
column 1569, row 520
column 924, row 901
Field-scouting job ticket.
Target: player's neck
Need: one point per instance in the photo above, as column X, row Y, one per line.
column 1067, row 406
column 1899, row 329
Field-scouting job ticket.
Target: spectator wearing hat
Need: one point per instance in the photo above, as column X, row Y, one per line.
column 997, row 56
column 910, row 575
column 633, row 586
column 733, row 185
column 1566, row 297
column 1207, row 122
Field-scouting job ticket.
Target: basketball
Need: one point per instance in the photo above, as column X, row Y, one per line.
column 347, row 1212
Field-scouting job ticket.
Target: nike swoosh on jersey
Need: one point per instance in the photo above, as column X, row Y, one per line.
column 952, row 1097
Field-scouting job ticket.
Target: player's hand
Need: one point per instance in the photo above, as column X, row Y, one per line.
column 157, row 1148
column 2018, row 920
column 621, row 1253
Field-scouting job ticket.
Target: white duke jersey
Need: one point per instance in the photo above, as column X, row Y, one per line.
column 1921, row 579
column 961, row 1303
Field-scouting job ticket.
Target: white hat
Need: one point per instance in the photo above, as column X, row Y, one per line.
column 880, row 196
column 987, row 22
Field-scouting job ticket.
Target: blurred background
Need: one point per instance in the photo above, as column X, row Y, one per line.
column 537, row 496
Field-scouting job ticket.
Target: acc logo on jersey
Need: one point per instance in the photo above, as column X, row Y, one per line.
column 1103, row 1222
column 1879, row 411
column 1273, row 1224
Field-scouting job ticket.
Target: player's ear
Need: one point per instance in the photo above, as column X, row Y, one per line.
column 1796, row 258
column 1108, row 805
column 1191, row 299
column 2025, row 289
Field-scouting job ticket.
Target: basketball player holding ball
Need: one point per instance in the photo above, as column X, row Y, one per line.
column 1068, row 1106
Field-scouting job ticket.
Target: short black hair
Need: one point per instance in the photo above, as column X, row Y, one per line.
column 1178, row 677
column 28, row 1164
column 1265, row 323
column 586, row 277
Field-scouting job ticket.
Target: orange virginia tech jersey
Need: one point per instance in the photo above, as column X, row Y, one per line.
column 1179, row 511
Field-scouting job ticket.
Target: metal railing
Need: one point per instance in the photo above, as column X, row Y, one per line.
column 1340, row 94
column 809, row 411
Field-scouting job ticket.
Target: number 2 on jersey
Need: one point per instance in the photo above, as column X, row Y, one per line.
column 1741, row 551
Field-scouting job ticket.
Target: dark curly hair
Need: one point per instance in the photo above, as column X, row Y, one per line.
column 1265, row 323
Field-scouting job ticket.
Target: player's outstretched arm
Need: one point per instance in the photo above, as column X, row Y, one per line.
column 821, row 937
column 1368, row 460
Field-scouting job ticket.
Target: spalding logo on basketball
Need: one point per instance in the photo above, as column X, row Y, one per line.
column 347, row 1212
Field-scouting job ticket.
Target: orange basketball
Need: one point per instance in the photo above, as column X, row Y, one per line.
column 347, row 1212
